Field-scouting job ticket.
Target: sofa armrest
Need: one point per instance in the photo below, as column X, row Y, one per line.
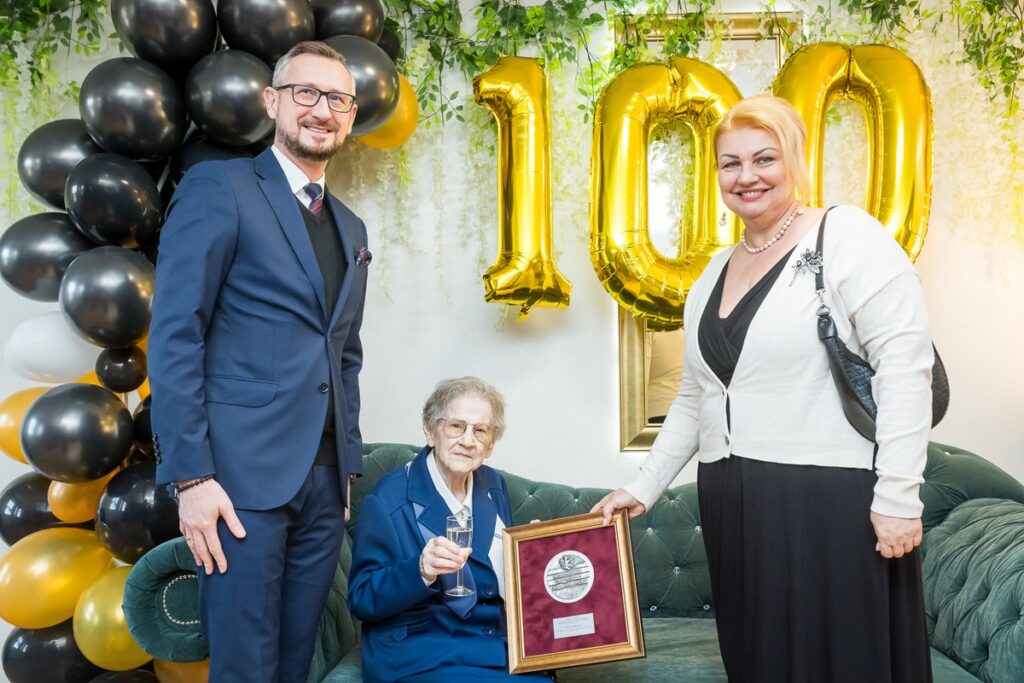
column 973, row 570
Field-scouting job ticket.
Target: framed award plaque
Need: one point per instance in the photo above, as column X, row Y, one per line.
column 570, row 593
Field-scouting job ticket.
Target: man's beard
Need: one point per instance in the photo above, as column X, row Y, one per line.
column 294, row 145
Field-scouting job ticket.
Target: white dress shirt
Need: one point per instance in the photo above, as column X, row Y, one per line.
column 297, row 179
column 496, row 553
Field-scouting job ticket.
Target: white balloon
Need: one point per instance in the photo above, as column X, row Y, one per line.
column 45, row 349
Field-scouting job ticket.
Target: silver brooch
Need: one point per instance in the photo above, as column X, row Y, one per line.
column 809, row 261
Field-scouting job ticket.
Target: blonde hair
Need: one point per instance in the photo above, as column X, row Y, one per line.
column 778, row 117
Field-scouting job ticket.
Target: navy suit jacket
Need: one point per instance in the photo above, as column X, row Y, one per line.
column 408, row 627
column 242, row 350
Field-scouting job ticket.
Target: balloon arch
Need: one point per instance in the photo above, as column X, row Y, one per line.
column 191, row 92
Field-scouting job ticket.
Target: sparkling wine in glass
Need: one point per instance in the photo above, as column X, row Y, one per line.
column 460, row 532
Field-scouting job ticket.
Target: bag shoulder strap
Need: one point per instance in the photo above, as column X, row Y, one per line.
column 819, row 277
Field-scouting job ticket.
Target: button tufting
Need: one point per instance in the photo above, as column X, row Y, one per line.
column 707, row 608
column 654, row 608
column 675, row 570
column 696, row 529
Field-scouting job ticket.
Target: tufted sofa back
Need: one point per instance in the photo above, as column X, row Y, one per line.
column 671, row 565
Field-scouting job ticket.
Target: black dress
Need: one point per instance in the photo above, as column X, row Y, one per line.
column 801, row 595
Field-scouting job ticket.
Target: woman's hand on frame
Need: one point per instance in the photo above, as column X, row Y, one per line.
column 617, row 500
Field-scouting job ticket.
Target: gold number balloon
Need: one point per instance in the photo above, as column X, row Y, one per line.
column 43, row 575
column 644, row 281
column 101, row 631
column 524, row 273
column 899, row 123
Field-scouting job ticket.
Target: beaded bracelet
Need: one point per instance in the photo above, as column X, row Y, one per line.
column 191, row 484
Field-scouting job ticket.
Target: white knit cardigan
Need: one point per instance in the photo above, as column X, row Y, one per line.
column 783, row 403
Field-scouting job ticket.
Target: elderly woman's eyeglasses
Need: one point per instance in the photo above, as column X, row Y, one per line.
column 308, row 96
column 454, row 429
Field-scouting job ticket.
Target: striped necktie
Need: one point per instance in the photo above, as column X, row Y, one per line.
column 316, row 196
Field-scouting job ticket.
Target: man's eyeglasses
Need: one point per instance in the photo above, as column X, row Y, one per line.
column 455, row 428
column 308, row 96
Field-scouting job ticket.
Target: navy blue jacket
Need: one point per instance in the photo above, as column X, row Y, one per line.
column 242, row 350
column 409, row 627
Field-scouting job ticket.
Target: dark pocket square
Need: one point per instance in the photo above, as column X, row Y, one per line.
column 363, row 257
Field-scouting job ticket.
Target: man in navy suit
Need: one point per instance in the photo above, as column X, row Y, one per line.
column 254, row 358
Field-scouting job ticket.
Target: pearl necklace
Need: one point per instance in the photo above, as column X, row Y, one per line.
column 798, row 211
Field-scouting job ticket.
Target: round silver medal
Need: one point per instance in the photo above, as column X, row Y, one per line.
column 569, row 576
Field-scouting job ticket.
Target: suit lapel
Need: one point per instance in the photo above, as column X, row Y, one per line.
column 431, row 517
column 484, row 514
column 275, row 187
column 338, row 214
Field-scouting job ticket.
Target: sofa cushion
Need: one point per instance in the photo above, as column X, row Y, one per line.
column 973, row 571
column 678, row 649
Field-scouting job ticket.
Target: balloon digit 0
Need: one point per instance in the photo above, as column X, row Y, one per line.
column 643, row 281
column 897, row 104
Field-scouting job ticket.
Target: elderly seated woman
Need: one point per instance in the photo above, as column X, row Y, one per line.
column 403, row 565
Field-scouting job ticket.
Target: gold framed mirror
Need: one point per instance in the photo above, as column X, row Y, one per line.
column 651, row 363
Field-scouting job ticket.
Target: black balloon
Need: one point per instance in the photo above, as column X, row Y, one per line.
column 46, row 655
column 225, row 97
column 144, row 425
column 113, row 200
column 135, row 676
column 48, row 155
column 133, row 108
column 135, row 514
column 24, row 509
column 107, row 296
column 122, row 370
column 390, row 43
column 265, row 28
column 199, row 148
column 76, row 433
column 173, row 34
column 35, row 252
column 364, row 18
column 376, row 81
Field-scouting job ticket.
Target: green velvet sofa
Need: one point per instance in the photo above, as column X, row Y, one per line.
column 973, row 570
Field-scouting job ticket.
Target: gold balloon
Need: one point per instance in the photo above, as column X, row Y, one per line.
column 898, row 111
column 76, row 503
column 644, row 281
column 400, row 126
column 43, row 575
column 182, row 672
column 100, row 628
column 12, row 412
column 524, row 273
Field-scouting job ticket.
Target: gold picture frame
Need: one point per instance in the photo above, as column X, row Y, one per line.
column 567, row 535
column 636, row 431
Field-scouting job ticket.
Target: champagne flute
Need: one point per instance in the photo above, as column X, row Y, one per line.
column 460, row 532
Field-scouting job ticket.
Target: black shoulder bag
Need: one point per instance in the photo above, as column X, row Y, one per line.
column 852, row 374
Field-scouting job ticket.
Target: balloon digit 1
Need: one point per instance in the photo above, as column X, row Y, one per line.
column 524, row 273
column 641, row 279
column 898, row 111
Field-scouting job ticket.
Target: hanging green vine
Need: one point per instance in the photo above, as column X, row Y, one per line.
column 32, row 35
